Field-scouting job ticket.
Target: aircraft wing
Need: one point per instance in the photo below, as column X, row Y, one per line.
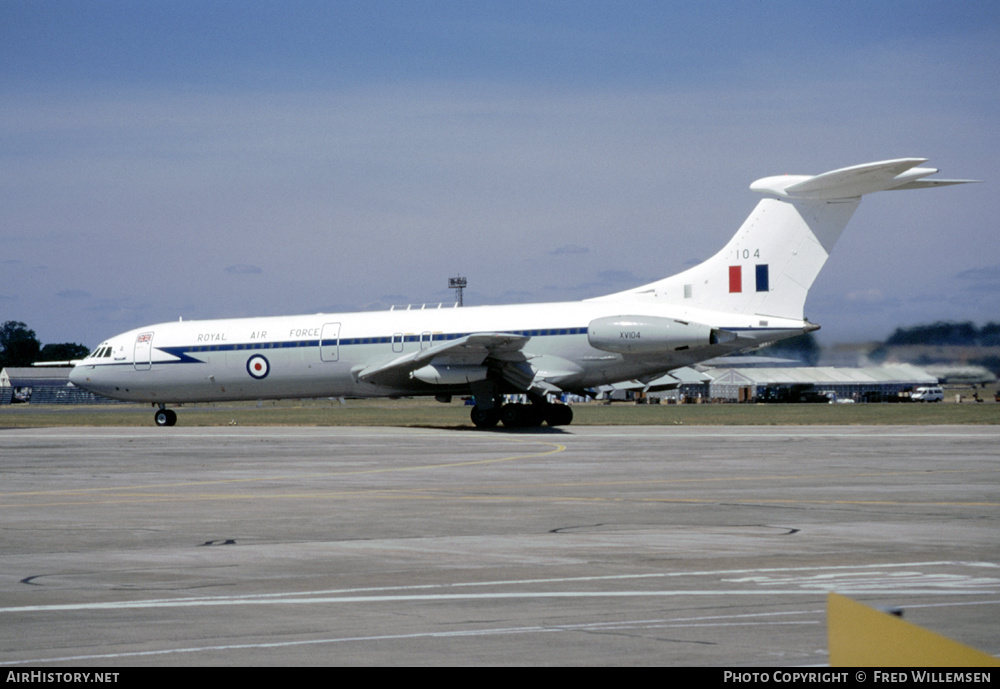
column 668, row 381
column 466, row 354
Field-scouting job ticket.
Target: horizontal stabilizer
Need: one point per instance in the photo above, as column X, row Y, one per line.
column 855, row 181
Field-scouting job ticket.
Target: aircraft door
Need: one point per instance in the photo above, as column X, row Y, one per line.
column 329, row 342
column 143, row 351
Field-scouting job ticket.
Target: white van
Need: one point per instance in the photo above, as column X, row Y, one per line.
column 927, row 394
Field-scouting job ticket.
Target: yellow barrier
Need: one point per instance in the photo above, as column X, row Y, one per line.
column 860, row 636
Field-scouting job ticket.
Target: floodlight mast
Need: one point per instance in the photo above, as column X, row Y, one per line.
column 458, row 284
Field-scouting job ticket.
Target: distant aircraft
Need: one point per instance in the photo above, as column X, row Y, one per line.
column 748, row 295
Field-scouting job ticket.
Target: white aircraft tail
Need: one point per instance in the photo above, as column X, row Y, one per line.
column 769, row 265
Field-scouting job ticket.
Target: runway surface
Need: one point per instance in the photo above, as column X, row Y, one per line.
column 585, row 545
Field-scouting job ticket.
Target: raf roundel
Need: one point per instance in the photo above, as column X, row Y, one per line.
column 258, row 367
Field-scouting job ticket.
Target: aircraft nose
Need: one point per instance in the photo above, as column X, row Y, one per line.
column 76, row 375
column 80, row 377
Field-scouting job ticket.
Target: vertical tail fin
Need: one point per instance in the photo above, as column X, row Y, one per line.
column 771, row 262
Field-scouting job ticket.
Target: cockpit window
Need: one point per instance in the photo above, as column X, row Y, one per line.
column 99, row 353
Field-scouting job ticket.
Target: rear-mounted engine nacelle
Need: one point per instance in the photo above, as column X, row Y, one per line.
column 650, row 334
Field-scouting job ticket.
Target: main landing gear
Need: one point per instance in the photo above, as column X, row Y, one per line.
column 523, row 415
column 165, row 417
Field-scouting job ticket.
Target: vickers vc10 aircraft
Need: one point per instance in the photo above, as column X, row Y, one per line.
column 750, row 294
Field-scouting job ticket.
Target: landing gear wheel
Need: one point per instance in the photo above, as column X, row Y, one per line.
column 165, row 417
column 558, row 415
column 521, row 415
column 485, row 418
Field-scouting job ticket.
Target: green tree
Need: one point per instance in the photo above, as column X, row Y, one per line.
column 940, row 333
column 18, row 345
column 989, row 335
column 67, row 351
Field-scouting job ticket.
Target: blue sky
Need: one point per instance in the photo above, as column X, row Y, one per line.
column 217, row 159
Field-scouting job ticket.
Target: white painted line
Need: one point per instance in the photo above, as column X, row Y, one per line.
column 842, row 580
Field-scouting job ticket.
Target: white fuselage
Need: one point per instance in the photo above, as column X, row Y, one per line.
column 320, row 355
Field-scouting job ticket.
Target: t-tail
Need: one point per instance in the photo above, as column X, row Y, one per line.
column 767, row 268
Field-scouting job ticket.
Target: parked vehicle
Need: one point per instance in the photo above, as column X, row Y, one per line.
column 927, row 394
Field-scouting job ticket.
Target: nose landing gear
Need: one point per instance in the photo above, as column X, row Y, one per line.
column 165, row 417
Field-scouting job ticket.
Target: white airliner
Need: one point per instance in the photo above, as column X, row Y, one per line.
column 749, row 294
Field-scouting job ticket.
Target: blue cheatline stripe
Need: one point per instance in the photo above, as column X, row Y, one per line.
column 184, row 352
